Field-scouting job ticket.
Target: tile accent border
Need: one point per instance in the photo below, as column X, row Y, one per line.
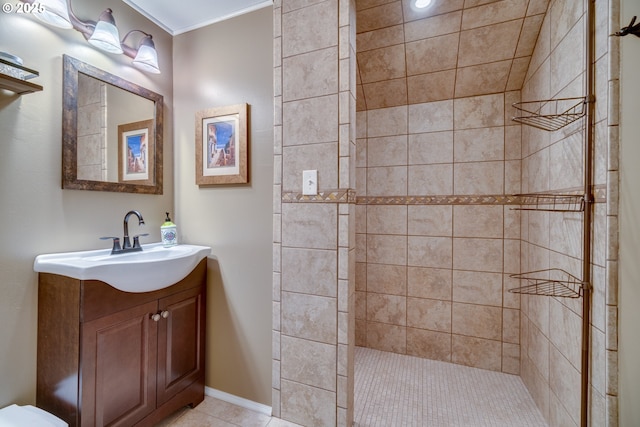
column 349, row 196
column 331, row 196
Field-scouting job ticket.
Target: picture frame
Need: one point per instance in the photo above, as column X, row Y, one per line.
column 136, row 152
column 222, row 145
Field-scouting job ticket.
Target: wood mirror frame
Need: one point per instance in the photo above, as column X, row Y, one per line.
column 71, row 71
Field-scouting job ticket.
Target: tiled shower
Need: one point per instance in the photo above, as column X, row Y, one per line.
column 440, row 167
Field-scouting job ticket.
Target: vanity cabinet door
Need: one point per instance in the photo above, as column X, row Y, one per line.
column 119, row 354
column 181, row 342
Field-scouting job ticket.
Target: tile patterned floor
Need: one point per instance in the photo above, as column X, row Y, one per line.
column 402, row 391
column 397, row 390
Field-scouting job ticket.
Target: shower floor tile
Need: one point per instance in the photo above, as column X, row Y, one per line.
column 406, row 391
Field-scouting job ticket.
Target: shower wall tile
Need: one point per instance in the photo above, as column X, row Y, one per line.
column 476, row 145
column 309, row 271
column 566, row 333
column 387, row 219
column 482, row 78
column 311, row 156
column 430, row 87
column 429, row 344
column 489, row 44
column 493, row 13
column 382, row 16
column 479, row 321
column 475, row 287
column 511, row 358
column 386, row 279
column 477, row 178
column 383, row 37
column 479, row 111
column 518, row 73
column 386, row 93
column 434, row 252
column 435, row 283
column 387, row 151
column 511, row 326
column 382, row 181
column 432, row 54
column 477, row 254
column 386, row 337
column 387, row 249
column 309, row 225
column 308, row 362
column 310, row 74
column 309, row 317
column 382, row 64
column 307, row 405
column 387, row 121
column 431, row 314
column 564, row 380
column 430, row 148
column 567, row 60
column 434, row 179
column 431, row 27
column 305, row 30
column 390, row 309
column 476, row 352
column 478, row 221
column 431, row 117
column 307, row 121
column 429, row 220
column 530, row 31
column 537, row 7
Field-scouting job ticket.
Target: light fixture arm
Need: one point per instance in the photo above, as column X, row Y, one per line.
column 131, row 52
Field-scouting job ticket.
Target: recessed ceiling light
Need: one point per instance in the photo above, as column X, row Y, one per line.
column 421, row 4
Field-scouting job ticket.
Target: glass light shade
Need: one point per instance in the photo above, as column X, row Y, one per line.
column 421, row 4
column 55, row 13
column 147, row 59
column 106, row 37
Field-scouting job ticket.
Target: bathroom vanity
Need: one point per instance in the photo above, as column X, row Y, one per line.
column 109, row 357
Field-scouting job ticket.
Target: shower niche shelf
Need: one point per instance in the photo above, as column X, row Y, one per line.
column 550, row 202
column 550, row 114
column 553, row 282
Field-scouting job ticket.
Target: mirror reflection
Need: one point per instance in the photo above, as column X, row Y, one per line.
column 112, row 132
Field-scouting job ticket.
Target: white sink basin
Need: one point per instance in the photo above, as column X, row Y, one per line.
column 153, row 268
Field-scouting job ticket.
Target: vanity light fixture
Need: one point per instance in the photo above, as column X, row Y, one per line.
column 421, row 4
column 102, row 34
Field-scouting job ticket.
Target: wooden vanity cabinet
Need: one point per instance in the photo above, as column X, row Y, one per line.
column 112, row 358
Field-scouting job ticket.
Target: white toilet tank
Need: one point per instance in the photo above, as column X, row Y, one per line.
column 22, row 416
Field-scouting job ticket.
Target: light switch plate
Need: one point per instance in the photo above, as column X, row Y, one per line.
column 310, row 182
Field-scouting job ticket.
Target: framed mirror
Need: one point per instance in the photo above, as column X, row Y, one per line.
column 111, row 132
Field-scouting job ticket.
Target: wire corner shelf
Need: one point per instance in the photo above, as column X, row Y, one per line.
column 550, row 202
column 550, row 114
column 552, row 282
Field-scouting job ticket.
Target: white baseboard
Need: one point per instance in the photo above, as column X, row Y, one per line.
column 238, row 401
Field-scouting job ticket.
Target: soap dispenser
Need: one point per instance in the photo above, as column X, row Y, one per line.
column 169, row 232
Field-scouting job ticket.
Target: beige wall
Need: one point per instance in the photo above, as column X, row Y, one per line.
column 219, row 65
column 629, row 287
column 37, row 215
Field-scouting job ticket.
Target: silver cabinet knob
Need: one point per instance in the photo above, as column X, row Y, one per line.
column 155, row 317
column 165, row 314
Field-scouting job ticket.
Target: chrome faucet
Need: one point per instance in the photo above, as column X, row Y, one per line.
column 126, row 244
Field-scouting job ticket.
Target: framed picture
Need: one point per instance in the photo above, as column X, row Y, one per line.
column 136, row 152
column 221, row 145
